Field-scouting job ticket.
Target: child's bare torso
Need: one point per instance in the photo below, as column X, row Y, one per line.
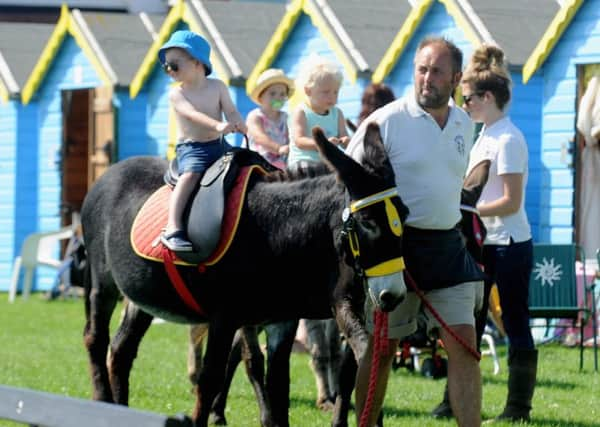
column 206, row 100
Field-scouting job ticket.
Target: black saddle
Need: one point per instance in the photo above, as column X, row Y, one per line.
column 204, row 214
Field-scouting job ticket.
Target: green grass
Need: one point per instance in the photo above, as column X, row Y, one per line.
column 41, row 348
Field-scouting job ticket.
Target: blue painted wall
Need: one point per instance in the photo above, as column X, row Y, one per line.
column 305, row 39
column 579, row 44
column 38, row 175
column 525, row 108
column 19, row 192
column 8, row 177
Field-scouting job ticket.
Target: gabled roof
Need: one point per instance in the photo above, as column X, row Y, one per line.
column 326, row 21
column 68, row 24
column 114, row 43
column 123, row 38
column 551, row 36
column 371, row 25
column 194, row 14
column 21, row 44
column 406, row 31
column 515, row 25
column 245, row 27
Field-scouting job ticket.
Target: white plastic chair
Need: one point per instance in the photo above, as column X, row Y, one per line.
column 38, row 249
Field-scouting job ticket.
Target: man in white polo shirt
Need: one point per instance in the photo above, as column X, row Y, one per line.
column 428, row 140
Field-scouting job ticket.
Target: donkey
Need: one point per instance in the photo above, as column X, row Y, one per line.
column 324, row 228
column 280, row 337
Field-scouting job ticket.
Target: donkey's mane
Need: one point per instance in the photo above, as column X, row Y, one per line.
column 290, row 175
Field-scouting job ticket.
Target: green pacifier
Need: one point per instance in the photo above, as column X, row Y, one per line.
column 276, row 104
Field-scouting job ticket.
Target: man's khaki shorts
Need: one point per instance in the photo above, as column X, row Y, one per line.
column 456, row 305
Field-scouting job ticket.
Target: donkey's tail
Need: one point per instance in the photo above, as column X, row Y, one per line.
column 87, row 285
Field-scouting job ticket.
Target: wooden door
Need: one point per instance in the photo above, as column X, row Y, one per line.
column 102, row 133
column 74, row 153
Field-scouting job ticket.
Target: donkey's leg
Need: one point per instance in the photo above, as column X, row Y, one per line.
column 198, row 333
column 212, row 373
column 356, row 344
column 124, row 347
column 217, row 412
column 100, row 301
column 334, row 345
column 319, row 352
column 254, row 362
column 280, row 339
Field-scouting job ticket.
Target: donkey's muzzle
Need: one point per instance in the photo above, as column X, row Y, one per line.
column 386, row 292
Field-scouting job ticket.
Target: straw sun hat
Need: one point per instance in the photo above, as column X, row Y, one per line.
column 270, row 77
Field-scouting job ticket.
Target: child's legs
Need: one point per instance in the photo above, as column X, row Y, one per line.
column 193, row 158
column 179, row 199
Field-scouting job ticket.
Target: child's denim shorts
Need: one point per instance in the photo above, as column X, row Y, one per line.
column 196, row 157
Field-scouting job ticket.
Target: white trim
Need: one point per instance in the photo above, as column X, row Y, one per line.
column 148, row 25
column 373, row 198
column 476, row 21
column 7, row 77
column 76, row 14
column 341, row 33
column 218, row 40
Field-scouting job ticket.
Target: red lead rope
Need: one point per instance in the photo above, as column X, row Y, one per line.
column 380, row 346
column 435, row 314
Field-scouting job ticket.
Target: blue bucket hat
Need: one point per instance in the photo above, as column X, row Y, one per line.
column 192, row 43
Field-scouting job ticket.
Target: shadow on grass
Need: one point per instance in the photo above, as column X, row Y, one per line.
column 552, row 384
column 560, row 422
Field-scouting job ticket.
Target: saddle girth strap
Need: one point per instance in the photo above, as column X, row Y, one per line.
column 178, row 283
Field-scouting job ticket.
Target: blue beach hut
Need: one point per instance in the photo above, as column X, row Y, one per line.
column 237, row 32
column 338, row 31
column 78, row 106
column 515, row 26
column 565, row 59
column 20, row 46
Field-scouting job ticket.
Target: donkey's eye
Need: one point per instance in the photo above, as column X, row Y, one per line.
column 370, row 228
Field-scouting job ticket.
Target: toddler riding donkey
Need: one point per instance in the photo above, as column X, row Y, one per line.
column 268, row 124
column 199, row 104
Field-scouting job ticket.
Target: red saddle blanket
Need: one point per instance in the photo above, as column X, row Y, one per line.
column 152, row 218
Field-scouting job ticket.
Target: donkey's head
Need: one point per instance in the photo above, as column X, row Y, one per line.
column 373, row 217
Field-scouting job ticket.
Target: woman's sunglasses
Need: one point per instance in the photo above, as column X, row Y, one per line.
column 170, row 66
column 467, row 98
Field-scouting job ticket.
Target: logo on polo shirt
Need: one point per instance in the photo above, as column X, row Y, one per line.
column 460, row 144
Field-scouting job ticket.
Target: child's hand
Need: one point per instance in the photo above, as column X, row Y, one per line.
column 283, row 150
column 225, row 128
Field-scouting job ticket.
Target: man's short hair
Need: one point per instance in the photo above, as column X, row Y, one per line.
column 455, row 52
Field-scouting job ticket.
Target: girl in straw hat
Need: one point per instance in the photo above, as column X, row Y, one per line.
column 267, row 125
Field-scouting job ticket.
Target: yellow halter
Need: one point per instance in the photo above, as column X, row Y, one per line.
column 391, row 266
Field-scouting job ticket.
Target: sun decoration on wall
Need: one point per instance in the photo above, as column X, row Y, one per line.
column 547, row 272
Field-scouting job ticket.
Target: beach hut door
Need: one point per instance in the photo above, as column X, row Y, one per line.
column 102, row 133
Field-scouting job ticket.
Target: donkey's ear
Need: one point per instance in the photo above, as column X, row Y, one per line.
column 334, row 158
column 375, row 159
column 474, row 183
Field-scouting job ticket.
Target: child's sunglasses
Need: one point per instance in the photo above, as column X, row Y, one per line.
column 170, row 66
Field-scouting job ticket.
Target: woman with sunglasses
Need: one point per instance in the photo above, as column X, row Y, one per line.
column 508, row 250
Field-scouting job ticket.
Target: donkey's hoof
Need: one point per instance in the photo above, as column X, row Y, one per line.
column 325, row 404
column 218, row 419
